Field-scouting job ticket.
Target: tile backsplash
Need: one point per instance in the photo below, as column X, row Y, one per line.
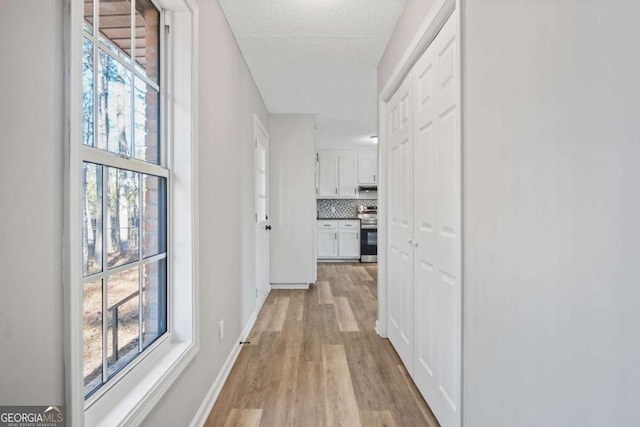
column 344, row 208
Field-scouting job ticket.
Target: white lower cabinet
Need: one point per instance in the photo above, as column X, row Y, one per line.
column 338, row 239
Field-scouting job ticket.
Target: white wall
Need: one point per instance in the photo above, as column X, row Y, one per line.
column 292, row 199
column 551, row 207
column 228, row 100
column 31, row 206
column 413, row 15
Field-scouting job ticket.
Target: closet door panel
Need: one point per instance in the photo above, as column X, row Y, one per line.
column 400, row 283
column 448, row 224
column 425, row 157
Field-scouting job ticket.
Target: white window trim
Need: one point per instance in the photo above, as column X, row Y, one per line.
column 131, row 396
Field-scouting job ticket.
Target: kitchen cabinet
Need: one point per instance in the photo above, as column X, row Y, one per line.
column 327, row 239
column 339, row 172
column 338, row 239
column 347, row 174
column 327, row 166
column 367, row 167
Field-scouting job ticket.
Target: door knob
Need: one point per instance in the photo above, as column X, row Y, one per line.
column 268, row 227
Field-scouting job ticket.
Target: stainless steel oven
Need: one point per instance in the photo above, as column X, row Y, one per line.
column 368, row 243
column 368, row 233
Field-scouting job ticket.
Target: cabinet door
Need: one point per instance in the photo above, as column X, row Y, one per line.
column 327, row 173
column 367, row 167
column 347, row 175
column 327, row 243
column 349, row 243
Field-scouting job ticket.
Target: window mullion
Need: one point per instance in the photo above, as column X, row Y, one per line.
column 132, row 119
column 141, row 266
column 103, row 157
column 105, row 280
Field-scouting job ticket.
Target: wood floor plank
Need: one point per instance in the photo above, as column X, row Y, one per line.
column 244, row 418
column 340, row 400
column 309, row 410
column 324, row 293
column 377, row 419
column 296, row 305
column 346, row 319
column 361, row 273
column 280, row 307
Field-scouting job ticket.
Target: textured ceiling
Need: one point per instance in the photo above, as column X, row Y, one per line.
column 317, row 57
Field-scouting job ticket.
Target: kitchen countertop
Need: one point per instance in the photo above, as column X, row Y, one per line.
column 338, row 219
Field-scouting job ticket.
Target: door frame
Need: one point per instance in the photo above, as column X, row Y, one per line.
column 439, row 14
column 259, row 127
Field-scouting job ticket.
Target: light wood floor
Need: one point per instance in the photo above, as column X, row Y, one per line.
column 315, row 360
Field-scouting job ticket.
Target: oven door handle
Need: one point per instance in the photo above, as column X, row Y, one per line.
column 368, row 227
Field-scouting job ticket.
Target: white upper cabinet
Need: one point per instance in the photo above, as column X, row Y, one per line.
column 368, row 167
column 339, row 172
column 327, row 167
column 348, row 166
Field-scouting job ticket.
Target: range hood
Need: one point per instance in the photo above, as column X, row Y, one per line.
column 368, row 188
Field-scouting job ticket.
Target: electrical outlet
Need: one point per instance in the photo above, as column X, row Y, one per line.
column 221, row 331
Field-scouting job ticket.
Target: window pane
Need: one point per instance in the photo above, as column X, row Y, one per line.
column 114, row 106
column 154, row 301
column 154, row 210
column 87, row 93
column 115, row 27
column 92, row 331
column 123, row 217
column 147, row 39
column 123, row 318
column 88, row 16
column 92, row 219
column 147, row 115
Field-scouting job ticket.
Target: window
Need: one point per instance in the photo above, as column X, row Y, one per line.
column 125, row 181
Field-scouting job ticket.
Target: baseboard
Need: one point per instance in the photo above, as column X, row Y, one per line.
column 210, row 398
column 290, row 286
column 334, row 261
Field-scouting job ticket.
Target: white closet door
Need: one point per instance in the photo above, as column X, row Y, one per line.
column 437, row 227
column 400, row 253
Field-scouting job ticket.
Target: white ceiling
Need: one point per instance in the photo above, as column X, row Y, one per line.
column 317, row 57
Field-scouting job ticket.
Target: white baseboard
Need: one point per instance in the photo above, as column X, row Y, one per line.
column 290, row 286
column 210, row 398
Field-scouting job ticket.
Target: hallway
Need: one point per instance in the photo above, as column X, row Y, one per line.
column 314, row 359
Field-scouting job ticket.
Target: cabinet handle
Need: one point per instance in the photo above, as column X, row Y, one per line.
column 410, row 241
column 357, row 236
column 374, row 177
column 355, row 191
column 335, row 236
column 336, row 190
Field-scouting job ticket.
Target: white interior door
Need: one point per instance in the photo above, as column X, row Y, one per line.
column 437, row 227
column 400, row 202
column 261, row 139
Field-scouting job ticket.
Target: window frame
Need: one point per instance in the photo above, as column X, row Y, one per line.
column 132, row 392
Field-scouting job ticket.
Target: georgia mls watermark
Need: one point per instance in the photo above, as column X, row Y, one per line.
column 32, row 416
